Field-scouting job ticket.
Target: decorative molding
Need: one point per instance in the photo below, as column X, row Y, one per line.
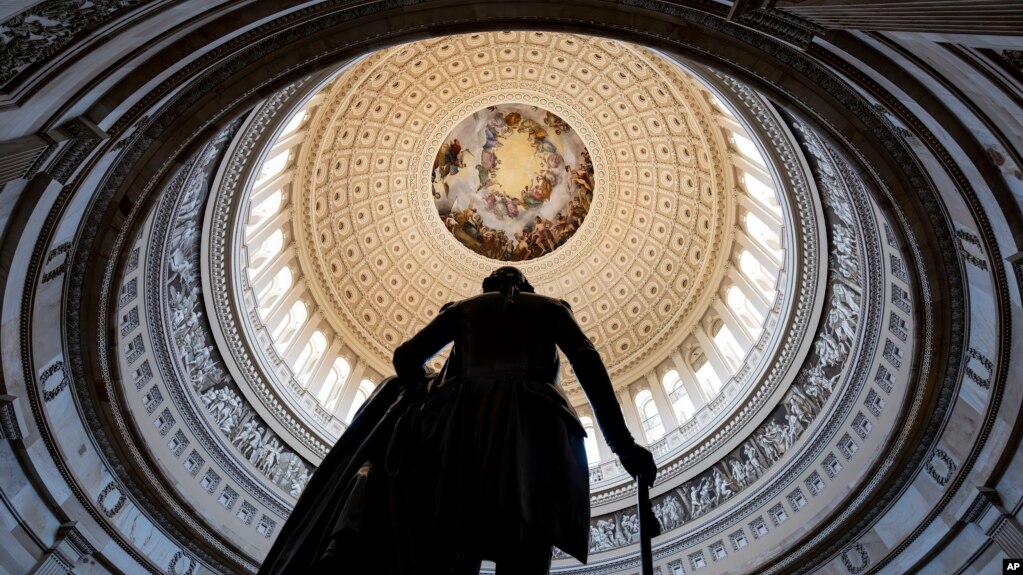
column 31, row 36
column 855, row 559
column 814, row 483
column 739, row 540
column 967, row 238
column 50, row 392
column 974, row 358
column 935, row 471
column 187, row 356
column 10, row 428
column 82, row 137
column 175, row 566
column 850, row 324
column 781, row 25
column 77, row 541
column 55, row 272
column 803, row 309
column 111, row 510
column 832, row 466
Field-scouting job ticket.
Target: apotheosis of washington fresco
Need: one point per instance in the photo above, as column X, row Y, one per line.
column 513, row 182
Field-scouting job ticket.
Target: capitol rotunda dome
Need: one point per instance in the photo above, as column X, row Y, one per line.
column 796, row 266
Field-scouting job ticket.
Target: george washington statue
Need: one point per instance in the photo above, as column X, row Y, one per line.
column 499, row 450
column 484, row 460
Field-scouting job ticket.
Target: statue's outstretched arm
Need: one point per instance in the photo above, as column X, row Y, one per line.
column 596, row 382
column 593, row 378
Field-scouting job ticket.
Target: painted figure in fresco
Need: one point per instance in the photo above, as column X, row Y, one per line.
column 559, row 171
column 449, row 159
column 510, row 508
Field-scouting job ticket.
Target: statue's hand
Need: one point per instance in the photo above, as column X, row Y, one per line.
column 639, row 462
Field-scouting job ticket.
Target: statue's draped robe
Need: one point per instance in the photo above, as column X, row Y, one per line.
column 345, row 520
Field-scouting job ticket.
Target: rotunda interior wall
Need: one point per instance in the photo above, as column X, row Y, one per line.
column 980, row 205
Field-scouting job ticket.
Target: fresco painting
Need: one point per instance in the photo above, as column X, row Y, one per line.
column 513, row 182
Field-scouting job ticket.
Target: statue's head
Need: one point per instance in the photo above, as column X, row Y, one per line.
column 507, row 280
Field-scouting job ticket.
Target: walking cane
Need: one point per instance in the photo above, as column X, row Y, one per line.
column 649, row 527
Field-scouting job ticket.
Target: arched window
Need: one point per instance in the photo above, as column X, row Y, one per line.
column 592, row 451
column 762, row 233
column 747, row 148
column 290, row 326
column 264, row 209
column 310, row 354
column 365, row 388
column 756, row 273
column 270, row 247
column 278, row 287
column 652, row 425
column 729, row 347
column 747, row 314
column 760, row 191
column 273, row 166
column 294, row 123
column 708, row 379
column 335, row 381
column 680, row 400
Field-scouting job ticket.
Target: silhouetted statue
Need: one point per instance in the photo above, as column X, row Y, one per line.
column 500, row 456
column 484, row 460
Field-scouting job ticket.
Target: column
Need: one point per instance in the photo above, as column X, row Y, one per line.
column 664, row 407
column 313, row 102
column 348, row 390
column 997, row 522
column 263, row 189
column 693, row 389
column 262, row 278
column 735, row 325
column 710, row 350
column 767, row 259
column 256, row 237
column 287, row 142
column 767, row 215
column 279, row 313
column 298, row 343
column 631, row 414
column 752, row 292
column 69, row 547
column 730, row 124
column 752, row 168
column 53, row 563
column 602, row 447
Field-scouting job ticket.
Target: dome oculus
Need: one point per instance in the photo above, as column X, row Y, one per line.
column 512, row 182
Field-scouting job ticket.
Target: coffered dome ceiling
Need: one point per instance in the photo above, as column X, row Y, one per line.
column 381, row 260
column 787, row 256
column 675, row 269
